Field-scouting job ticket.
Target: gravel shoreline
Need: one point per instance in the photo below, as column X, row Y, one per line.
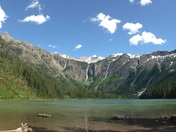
column 126, row 125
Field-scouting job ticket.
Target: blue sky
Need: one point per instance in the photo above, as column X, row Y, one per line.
column 91, row 27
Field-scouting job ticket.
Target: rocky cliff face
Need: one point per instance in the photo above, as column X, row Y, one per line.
column 120, row 73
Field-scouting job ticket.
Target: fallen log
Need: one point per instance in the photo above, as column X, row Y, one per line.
column 44, row 115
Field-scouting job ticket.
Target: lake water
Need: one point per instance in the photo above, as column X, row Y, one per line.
column 80, row 115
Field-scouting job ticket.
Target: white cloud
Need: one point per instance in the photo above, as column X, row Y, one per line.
column 52, row 46
column 39, row 19
column 3, row 17
column 94, row 56
column 34, row 4
column 105, row 21
column 133, row 28
column 78, row 46
column 145, row 2
column 135, row 39
column 142, row 2
column 146, row 37
column 132, row 1
column 149, row 37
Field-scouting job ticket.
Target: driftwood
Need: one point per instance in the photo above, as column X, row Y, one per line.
column 23, row 128
column 44, row 115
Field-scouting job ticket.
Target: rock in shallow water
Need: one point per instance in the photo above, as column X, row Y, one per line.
column 119, row 117
column 173, row 118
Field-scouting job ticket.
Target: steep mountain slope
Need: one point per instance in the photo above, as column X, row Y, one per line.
column 12, row 86
column 134, row 74
column 25, row 80
column 122, row 74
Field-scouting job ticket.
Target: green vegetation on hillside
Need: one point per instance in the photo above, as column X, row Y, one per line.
column 20, row 81
column 32, row 74
column 165, row 88
column 11, row 85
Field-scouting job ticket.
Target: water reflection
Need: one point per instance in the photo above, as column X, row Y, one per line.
column 87, row 115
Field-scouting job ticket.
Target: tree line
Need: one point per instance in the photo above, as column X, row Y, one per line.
column 165, row 88
column 43, row 85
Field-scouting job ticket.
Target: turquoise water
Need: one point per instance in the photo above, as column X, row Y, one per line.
column 74, row 114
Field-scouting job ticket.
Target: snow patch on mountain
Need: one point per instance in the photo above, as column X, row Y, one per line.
column 92, row 59
column 133, row 56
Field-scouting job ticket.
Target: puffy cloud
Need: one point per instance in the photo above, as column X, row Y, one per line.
column 133, row 28
column 78, row 46
column 106, row 21
column 52, row 46
column 142, row 2
column 3, row 16
column 34, row 4
column 146, row 37
column 145, row 2
column 149, row 37
column 135, row 39
column 39, row 19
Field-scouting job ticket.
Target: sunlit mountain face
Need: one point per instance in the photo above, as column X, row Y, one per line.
column 120, row 73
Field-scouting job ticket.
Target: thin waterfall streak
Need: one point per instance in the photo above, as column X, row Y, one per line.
column 106, row 74
column 87, row 76
column 65, row 65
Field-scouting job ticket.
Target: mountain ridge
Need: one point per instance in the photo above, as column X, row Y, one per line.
column 122, row 74
column 7, row 37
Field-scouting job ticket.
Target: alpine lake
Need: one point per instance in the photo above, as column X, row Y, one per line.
column 88, row 115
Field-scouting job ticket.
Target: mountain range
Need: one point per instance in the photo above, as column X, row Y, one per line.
column 151, row 75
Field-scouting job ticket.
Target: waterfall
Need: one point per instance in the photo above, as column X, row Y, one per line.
column 65, row 65
column 159, row 67
column 87, row 71
column 136, row 76
column 106, row 74
column 144, row 89
column 141, row 92
column 159, row 64
column 150, row 81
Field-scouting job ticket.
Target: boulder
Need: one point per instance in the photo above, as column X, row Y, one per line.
column 119, row 117
column 173, row 118
column 165, row 117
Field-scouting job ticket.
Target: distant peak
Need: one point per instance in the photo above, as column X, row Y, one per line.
column 6, row 36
